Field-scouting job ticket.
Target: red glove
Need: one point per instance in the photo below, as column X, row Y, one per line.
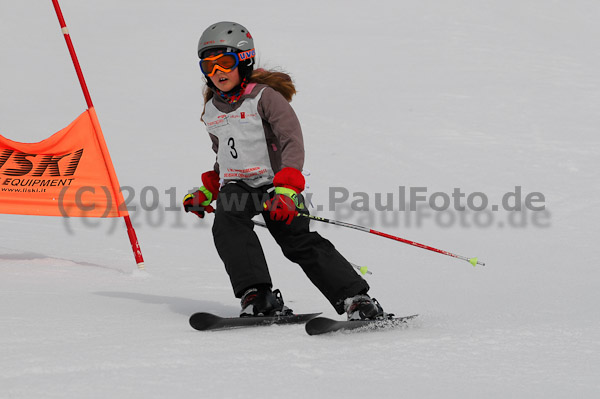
column 282, row 208
column 199, row 201
column 288, row 183
column 194, row 203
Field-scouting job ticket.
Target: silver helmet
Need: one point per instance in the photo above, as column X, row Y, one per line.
column 225, row 34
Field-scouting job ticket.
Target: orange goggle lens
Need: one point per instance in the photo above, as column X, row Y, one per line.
column 225, row 62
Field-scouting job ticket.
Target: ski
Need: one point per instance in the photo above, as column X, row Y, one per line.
column 324, row 325
column 208, row 321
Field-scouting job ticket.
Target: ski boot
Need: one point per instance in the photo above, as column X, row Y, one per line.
column 263, row 302
column 363, row 307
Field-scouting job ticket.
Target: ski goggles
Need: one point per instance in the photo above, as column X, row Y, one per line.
column 225, row 62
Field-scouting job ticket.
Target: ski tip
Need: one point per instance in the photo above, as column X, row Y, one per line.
column 203, row 321
column 324, row 325
column 318, row 325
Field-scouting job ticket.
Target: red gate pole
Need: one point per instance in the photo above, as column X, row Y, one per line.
column 135, row 246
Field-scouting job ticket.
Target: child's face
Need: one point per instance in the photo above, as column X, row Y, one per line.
column 226, row 81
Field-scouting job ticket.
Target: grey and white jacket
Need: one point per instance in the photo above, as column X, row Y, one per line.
column 255, row 137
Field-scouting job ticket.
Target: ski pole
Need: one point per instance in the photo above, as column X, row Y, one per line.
column 473, row 261
column 361, row 269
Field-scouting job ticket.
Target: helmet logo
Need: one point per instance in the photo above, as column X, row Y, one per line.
column 241, row 43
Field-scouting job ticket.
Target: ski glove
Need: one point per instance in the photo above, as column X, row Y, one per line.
column 284, row 205
column 199, row 201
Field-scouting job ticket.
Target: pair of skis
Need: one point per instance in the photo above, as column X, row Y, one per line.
column 314, row 325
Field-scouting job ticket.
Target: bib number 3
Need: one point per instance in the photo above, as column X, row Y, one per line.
column 232, row 151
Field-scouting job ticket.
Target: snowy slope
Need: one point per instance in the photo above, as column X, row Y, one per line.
column 481, row 96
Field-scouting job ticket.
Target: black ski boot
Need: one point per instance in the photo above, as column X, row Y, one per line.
column 263, row 302
column 363, row 307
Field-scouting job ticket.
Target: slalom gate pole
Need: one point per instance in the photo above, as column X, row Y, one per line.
column 135, row 246
column 362, row 269
column 473, row 261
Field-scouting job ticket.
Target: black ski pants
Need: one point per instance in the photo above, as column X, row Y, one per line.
column 241, row 252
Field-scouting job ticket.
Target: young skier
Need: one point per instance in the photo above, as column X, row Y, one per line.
column 259, row 157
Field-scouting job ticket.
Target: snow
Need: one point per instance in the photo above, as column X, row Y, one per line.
column 481, row 96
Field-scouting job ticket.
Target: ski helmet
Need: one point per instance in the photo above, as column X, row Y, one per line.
column 231, row 36
column 225, row 34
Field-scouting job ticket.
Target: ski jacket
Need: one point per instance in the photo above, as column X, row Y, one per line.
column 255, row 137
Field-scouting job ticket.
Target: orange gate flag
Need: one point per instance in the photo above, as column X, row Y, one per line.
column 68, row 174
